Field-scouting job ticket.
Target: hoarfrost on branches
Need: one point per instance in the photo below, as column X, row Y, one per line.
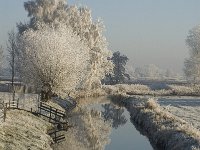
column 192, row 64
column 53, row 59
column 80, row 20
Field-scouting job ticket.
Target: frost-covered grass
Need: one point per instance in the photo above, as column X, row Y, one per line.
column 126, row 88
column 185, row 90
column 88, row 93
column 26, row 101
column 134, row 89
column 138, row 89
column 187, row 108
column 188, row 113
column 55, row 105
column 23, row 131
column 164, row 129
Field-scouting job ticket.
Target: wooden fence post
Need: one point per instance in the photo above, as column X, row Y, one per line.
column 17, row 103
column 5, row 109
column 56, row 115
column 40, row 107
column 38, row 102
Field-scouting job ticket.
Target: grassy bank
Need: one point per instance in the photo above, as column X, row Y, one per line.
column 138, row 89
column 164, row 130
column 24, row 131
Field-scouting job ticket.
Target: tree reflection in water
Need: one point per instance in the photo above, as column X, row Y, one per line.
column 89, row 132
column 114, row 114
column 92, row 123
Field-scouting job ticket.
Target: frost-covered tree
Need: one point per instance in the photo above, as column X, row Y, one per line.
column 192, row 64
column 80, row 20
column 119, row 75
column 52, row 59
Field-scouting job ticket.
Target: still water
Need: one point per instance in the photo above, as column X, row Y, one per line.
column 98, row 124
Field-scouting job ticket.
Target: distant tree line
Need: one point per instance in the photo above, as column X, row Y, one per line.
column 152, row 71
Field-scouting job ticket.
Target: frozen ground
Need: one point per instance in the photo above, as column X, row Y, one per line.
column 187, row 108
column 24, row 131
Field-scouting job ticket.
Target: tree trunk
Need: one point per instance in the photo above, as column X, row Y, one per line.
column 46, row 92
column 46, row 95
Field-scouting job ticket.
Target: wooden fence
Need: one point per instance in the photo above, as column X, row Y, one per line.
column 57, row 135
column 54, row 115
column 12, row 104
column 50, row 112
column 2, row 113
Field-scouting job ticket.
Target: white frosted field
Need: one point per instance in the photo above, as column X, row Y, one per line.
column 187, row 108
column 26, row 101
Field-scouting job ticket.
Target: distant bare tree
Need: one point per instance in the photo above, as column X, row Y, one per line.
column 12, row 49
column 1, row 57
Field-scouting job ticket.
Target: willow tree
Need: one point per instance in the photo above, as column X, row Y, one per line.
column 192, row 64
column 80, row 20
column 52, row 59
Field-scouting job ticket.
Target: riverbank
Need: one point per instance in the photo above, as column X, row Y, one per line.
column 164, row 130
column 139, row 89
column 24, row 131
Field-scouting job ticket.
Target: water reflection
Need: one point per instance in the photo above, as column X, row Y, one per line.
column 93, row 121
column 114, row 114
column 89, row 132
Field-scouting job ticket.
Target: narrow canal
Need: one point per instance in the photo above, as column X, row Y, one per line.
column 98, row 124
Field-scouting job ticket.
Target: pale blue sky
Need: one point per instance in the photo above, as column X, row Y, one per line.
column 147, row 31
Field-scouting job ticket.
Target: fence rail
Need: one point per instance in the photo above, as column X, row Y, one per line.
column 12, row 104
column 52, row 109
column 50, row 112
column 54, row 114
column 57, row 136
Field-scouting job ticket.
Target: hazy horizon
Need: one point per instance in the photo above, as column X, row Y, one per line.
column 147, row 31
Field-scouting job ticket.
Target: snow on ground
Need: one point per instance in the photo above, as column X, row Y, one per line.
column 187, row 108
